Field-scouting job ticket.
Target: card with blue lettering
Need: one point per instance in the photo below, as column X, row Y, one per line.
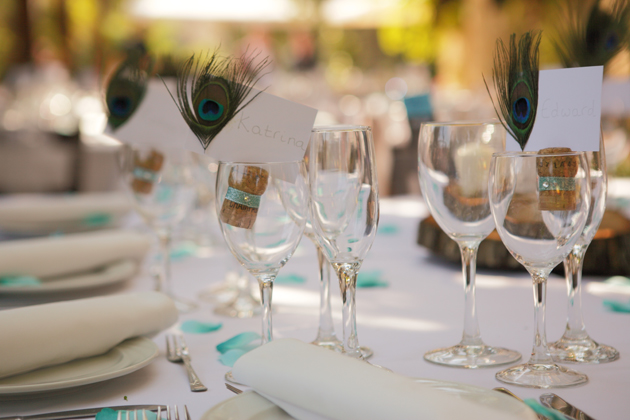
column 269, row 129
column 569, row 110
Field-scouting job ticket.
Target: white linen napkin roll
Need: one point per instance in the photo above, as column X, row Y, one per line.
column 68, row 254
column 43, row 208
column 50, row 334
column 305, row 379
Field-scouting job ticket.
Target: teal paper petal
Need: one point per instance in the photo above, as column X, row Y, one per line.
column 371, row 279
column 550, row 413
column 387, row 229
column 183, row 250
column 231, row 356
column 618, row 281
column 615, row 306
column 197, row 327
column 97, row 219
column 237, row 341
column 290, row 279
column 20, row 281
column 109, row 414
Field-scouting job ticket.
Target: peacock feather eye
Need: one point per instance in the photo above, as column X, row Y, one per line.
column 126, row 90
column 211, row 103
column 211, row 90
column 521, row 104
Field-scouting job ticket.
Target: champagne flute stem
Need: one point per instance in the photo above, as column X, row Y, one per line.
column 540, row 352
column 471, row 336
column 573, row 272
column 164, row 278
column 347, row 273
column 326, row 330
column 265, row 282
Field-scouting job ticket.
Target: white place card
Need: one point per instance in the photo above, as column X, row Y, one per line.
column 569, row 110
column 269, row 129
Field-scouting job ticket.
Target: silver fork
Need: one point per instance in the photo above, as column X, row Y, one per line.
column 177, row 351
column 128, row 416
column 175, row 416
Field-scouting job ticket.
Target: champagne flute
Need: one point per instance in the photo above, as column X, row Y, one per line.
column 262, row 211
column 540, row 203
column 575, row 345
column 160, row 185
column 453, row 164
column 344, row 209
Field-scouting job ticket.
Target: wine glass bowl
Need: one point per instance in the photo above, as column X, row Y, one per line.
column 540, row 203
column 453, row 166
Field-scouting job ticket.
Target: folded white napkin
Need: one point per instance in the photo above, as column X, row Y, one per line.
column 68, row 254
column 45, row 335
column 39, row 213
column 310, row 382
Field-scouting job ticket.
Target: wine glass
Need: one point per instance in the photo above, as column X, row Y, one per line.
column 575, row 344
column 540, row 204
column 453, row 166
column 344, row 209
column 262, row 211
column 162, row 190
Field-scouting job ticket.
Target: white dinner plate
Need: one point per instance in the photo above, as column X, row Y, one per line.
column 111, row 274
column 126, row 357
column 251, row 406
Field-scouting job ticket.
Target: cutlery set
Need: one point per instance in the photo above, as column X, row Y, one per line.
column 177, row 352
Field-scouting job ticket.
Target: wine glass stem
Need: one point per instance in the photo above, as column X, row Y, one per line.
column 265, row 282
column 573, row 272
column 540, row 352
column 326, row 329
column 347, row 273
column 471, row 336
column 164, row 278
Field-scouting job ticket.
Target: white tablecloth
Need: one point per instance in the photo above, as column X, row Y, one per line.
column 422, row 309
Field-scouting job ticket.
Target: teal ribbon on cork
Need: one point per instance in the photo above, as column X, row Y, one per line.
column 243, row 198
column 555, row 183
column 145, row 174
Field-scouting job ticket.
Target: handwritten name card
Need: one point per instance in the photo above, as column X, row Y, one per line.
column 569, row 110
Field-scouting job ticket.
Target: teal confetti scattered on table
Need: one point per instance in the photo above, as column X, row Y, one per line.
column 97, row 219
column 387, row 229
column 616, row 306
column 109, row 414
column 371, row 279
column 183, row 250
column 538, row 408
column 290, row 279
column 198, row 327
column 20, row 281
column 237, row 346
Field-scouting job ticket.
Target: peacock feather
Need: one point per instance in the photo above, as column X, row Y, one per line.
column 515, row 76
column 127, row 87
column 592, row 36
column 211, row 91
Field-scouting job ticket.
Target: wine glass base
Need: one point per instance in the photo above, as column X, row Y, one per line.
column 366, row 352
column 582, row 351
column 184, row 306
column 541, row 376
column 472, row 357
column 221, row 294
column 330, row 343
column 229, row 378
column 241, row 307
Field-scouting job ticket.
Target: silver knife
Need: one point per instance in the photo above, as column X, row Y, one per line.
column 83, row 413
column 557, row 403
